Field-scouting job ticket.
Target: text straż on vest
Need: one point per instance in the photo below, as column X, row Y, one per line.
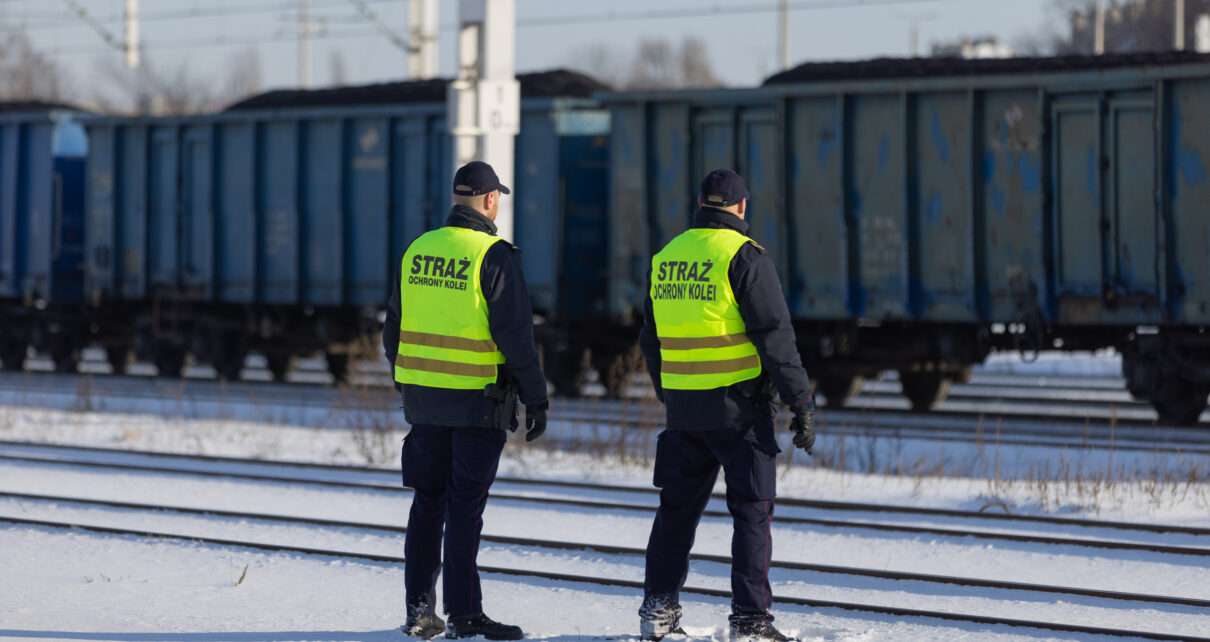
column 684, row 281
column 439, row 272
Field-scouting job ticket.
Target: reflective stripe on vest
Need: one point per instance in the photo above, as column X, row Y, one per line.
column 444, row 338
column 703, row 344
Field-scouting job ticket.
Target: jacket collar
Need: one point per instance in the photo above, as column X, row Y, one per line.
column 463, row 216
column 711, row 217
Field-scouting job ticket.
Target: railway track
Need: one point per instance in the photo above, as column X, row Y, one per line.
column 622, row 550
column 997, row 422
column 564, row 494
column 1072, row 393
column 983, row 388
column 632, row 584
column 68, row 511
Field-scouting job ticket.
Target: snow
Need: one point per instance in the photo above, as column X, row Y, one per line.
column 123, row 588
column 77, row 585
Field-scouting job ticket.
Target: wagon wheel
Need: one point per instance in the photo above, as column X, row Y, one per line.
column 1181, row 403
column 118, row 358
column 65, row 356
column 838, row 390
column 568, row 371
column 338, row 367
column 229, row 358
column 278, row 365
column 13, row 355
column 169, row 361
column 924, row 389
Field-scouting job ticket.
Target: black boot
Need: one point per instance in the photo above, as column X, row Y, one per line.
column 468, row 626
column 756, row 629
column 659, row 616
column 422, row 623
column 649, row 633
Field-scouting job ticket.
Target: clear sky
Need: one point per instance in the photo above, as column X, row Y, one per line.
column 212, row 36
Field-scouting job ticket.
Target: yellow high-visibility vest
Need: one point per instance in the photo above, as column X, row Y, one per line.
column 703, row 344
column 444, row 338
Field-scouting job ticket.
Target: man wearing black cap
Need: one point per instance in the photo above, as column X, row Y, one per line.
column 717, row 340
column 459, row 331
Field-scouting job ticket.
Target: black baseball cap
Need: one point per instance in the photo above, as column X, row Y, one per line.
column 723, row 188
column 477, row 178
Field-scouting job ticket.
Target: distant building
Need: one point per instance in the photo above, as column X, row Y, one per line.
column 983, row 47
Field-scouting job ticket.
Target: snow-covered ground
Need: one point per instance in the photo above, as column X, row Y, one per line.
column 81, row 585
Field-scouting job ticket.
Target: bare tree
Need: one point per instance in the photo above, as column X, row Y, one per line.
column 160, row 90
column 601, row 61
column 1130, row 25
column 658, row 64
column 27, row 74
column 336, row 67
column 152, row 89
column 694, row 62
column 244, row 79
column 654, row 66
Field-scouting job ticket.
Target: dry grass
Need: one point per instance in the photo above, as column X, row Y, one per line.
column 373, row 423
column 231, row 571
column 84, row 401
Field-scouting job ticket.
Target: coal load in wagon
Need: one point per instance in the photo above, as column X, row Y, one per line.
column 28, row 106
column 546, row 84
column 906, row 68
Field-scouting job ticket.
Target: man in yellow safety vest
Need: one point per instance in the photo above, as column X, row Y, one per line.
column 718, row 340
column 459, row 331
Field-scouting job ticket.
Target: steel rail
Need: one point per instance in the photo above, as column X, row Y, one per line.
column 599, row 581
column 579, row 485
column 865, row 403
column 608, row 549
column 1059, row 393
column 618, row 506
column 852, row 427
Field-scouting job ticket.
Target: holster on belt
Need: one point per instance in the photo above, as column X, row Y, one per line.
column 759, row 385
column 505, row 396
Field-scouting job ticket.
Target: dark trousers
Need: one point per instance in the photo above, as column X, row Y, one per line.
column 686, row 467
column 451, row 470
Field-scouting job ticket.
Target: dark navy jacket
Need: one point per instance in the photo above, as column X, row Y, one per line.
column 510, row 317
column 763, row 307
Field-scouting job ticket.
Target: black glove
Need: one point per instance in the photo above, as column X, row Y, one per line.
column 535, row 423
column 803, row 427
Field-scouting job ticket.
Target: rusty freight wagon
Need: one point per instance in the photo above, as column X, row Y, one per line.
column 925, row 212
column 275, row 226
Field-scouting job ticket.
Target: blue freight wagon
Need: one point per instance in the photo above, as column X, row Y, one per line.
column 41, row 232
column 276, row 225
column 925, row 212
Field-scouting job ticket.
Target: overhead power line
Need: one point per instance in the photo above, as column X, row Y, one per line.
column 365, row 10
column 82, row 13
column 64, row 19
column 708, row 12
column 621, row 16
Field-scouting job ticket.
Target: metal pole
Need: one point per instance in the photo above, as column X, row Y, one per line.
column 132, row 33
column 484, row 109
column 1098, row 45
column 422, row 39
column 1179, row 36
column 304, row 44
column 784, row 44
